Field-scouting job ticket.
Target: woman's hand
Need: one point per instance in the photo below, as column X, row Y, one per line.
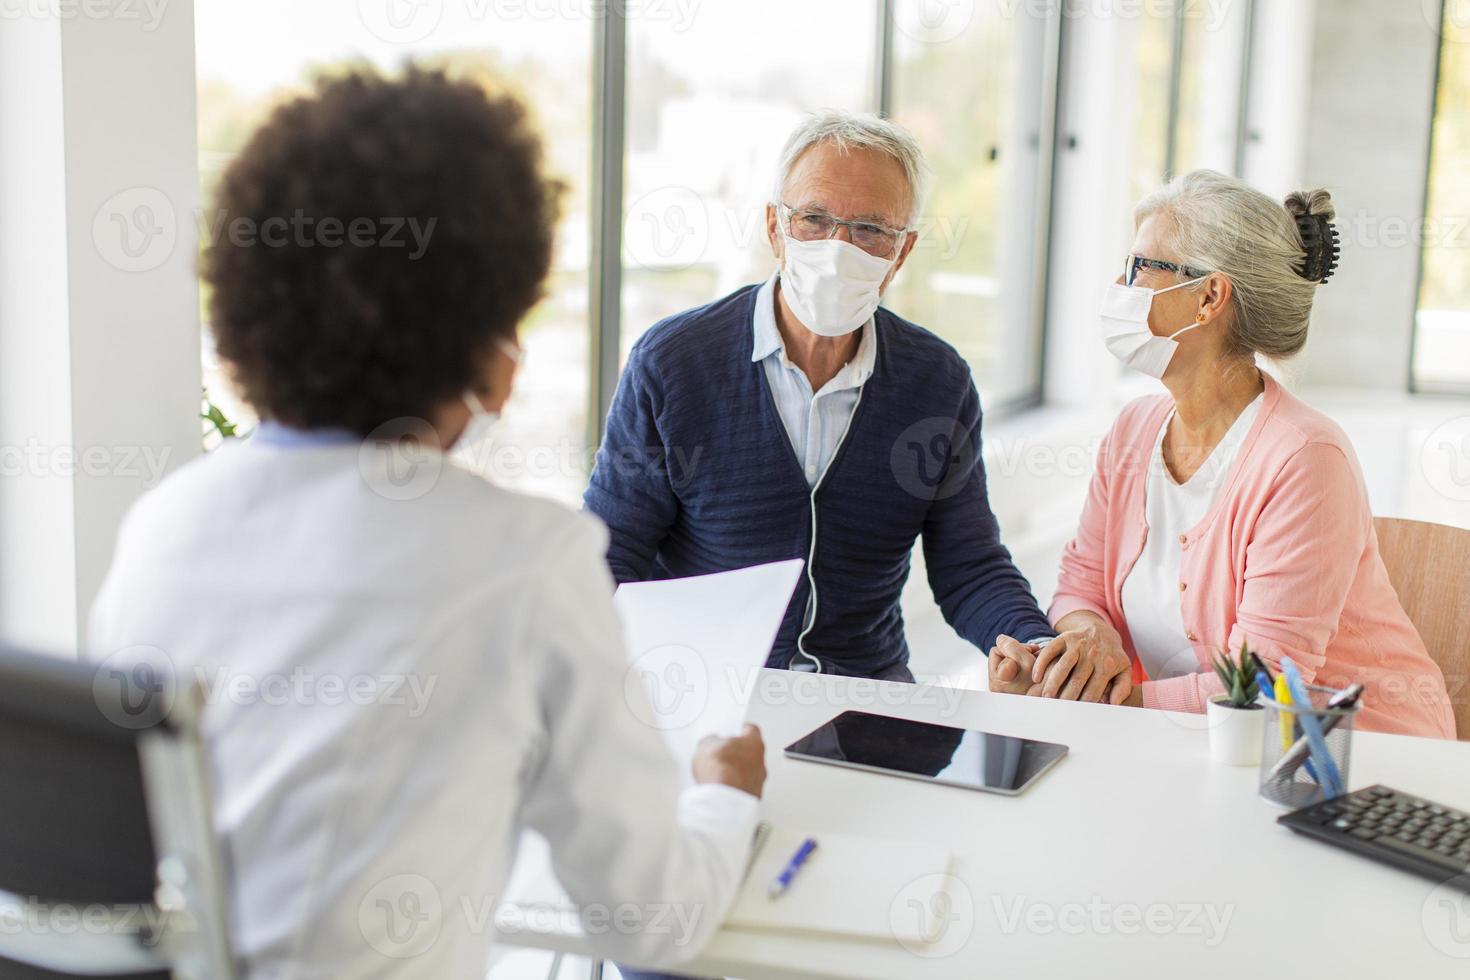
column 1085, row 662
column 739, row 761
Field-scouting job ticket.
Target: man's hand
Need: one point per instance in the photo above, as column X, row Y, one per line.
column 1009, row 667
column 1084, row 664
column 739, row 762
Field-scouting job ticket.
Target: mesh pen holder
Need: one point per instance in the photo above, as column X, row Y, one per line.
column 1292, row 775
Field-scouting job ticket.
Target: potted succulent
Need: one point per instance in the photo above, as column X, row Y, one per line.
column 1235, row 716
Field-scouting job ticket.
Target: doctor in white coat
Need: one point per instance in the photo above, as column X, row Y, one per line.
column 405, row 664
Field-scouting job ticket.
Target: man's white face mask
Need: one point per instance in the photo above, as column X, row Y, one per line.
column 1124, row 322
column 832, row 286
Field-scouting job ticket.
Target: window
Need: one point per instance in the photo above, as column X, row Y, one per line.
column 1210, row 62
column 251, row 56
column 971, row 277
column 1189, row 61
column 1442, row 323
column 710, row 103
column 710, row 92
column 1153, row 70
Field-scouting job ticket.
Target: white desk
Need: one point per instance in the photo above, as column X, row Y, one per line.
column 1134, row 857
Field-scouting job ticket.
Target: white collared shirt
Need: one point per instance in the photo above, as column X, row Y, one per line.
column 815, row 421
column 402, row 675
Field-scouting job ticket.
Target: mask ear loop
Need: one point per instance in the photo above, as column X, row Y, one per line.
column 1199, row 321
column 1181, row 285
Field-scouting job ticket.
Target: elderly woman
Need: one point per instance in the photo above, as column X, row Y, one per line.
column 1226, row 511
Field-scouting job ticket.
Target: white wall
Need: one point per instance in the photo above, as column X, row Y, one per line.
column 99, row 319
column 37, row 593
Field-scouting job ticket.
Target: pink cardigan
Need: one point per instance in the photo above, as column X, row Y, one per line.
column 1286, row 558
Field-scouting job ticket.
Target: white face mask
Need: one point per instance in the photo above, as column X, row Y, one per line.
column 472, row 448
column 1125, row 332
column 832, row 286
column 473, row 443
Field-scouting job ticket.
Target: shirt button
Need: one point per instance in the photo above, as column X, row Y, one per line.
column 1182, row 586
column 811, row 471
column 1189, row 634
column 1184, row 540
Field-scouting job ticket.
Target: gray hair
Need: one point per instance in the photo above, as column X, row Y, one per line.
column 1220, row 224
column 865, row 131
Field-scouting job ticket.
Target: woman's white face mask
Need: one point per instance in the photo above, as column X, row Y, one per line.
column 1124, row 322
column 475, row 443
column 832, row 286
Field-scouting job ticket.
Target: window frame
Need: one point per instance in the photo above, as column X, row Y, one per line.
column 1414, row 385
column 610, row 80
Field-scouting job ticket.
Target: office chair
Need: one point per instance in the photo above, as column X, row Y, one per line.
column 1429, row 566
column 108, row 861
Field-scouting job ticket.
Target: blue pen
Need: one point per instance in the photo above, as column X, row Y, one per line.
column 783, row 880
column 1332, row 782
column 1267, row 690
column 1264, row 683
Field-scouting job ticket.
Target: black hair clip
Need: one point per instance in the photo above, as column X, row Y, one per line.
column 1324, row 247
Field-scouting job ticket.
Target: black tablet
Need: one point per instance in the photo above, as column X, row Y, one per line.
column 932, row 753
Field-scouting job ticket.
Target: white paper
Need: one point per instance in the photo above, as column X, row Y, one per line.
column 695, row 646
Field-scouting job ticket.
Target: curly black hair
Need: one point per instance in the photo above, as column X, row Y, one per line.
column 370, row 245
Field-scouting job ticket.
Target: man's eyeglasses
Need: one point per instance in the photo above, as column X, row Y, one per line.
column 814, row 226
column 1134, row 263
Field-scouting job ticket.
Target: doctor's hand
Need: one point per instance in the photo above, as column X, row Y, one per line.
column 739, row 762
column 1084, row 663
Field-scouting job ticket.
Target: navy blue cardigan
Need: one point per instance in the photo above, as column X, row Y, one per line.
column 696, row 474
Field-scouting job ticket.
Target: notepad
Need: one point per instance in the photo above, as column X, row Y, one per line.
column 854, row 887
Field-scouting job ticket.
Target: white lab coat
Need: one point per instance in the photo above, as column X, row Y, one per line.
column 397, row 686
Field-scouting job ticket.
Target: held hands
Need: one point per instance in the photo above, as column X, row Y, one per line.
column 1010, row 665
column 1086, row 663
column 739, row 762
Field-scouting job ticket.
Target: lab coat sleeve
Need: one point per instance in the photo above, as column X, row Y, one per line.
column 652, row 869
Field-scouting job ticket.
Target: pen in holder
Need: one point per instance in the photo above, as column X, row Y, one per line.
column 1306, row 749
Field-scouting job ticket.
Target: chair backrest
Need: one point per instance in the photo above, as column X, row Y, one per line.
column 1429, row 566
column 108, row 860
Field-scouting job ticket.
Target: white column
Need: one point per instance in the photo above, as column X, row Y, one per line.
column 99, row 310
column 1091, row 214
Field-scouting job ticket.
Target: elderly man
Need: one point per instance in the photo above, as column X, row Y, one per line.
column 797, row 418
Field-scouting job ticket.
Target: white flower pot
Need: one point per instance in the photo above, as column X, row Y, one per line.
column 1235, row 733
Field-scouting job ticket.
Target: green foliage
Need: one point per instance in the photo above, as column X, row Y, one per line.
column 211, row 413
column 1239, row 675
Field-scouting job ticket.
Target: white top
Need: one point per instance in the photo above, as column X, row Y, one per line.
column 1151, row 590
column 814, row 421
column 406, row 668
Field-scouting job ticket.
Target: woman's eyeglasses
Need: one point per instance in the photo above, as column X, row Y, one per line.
column 1134, row 263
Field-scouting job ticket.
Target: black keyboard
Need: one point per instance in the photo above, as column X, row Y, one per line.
column 1405, row 831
